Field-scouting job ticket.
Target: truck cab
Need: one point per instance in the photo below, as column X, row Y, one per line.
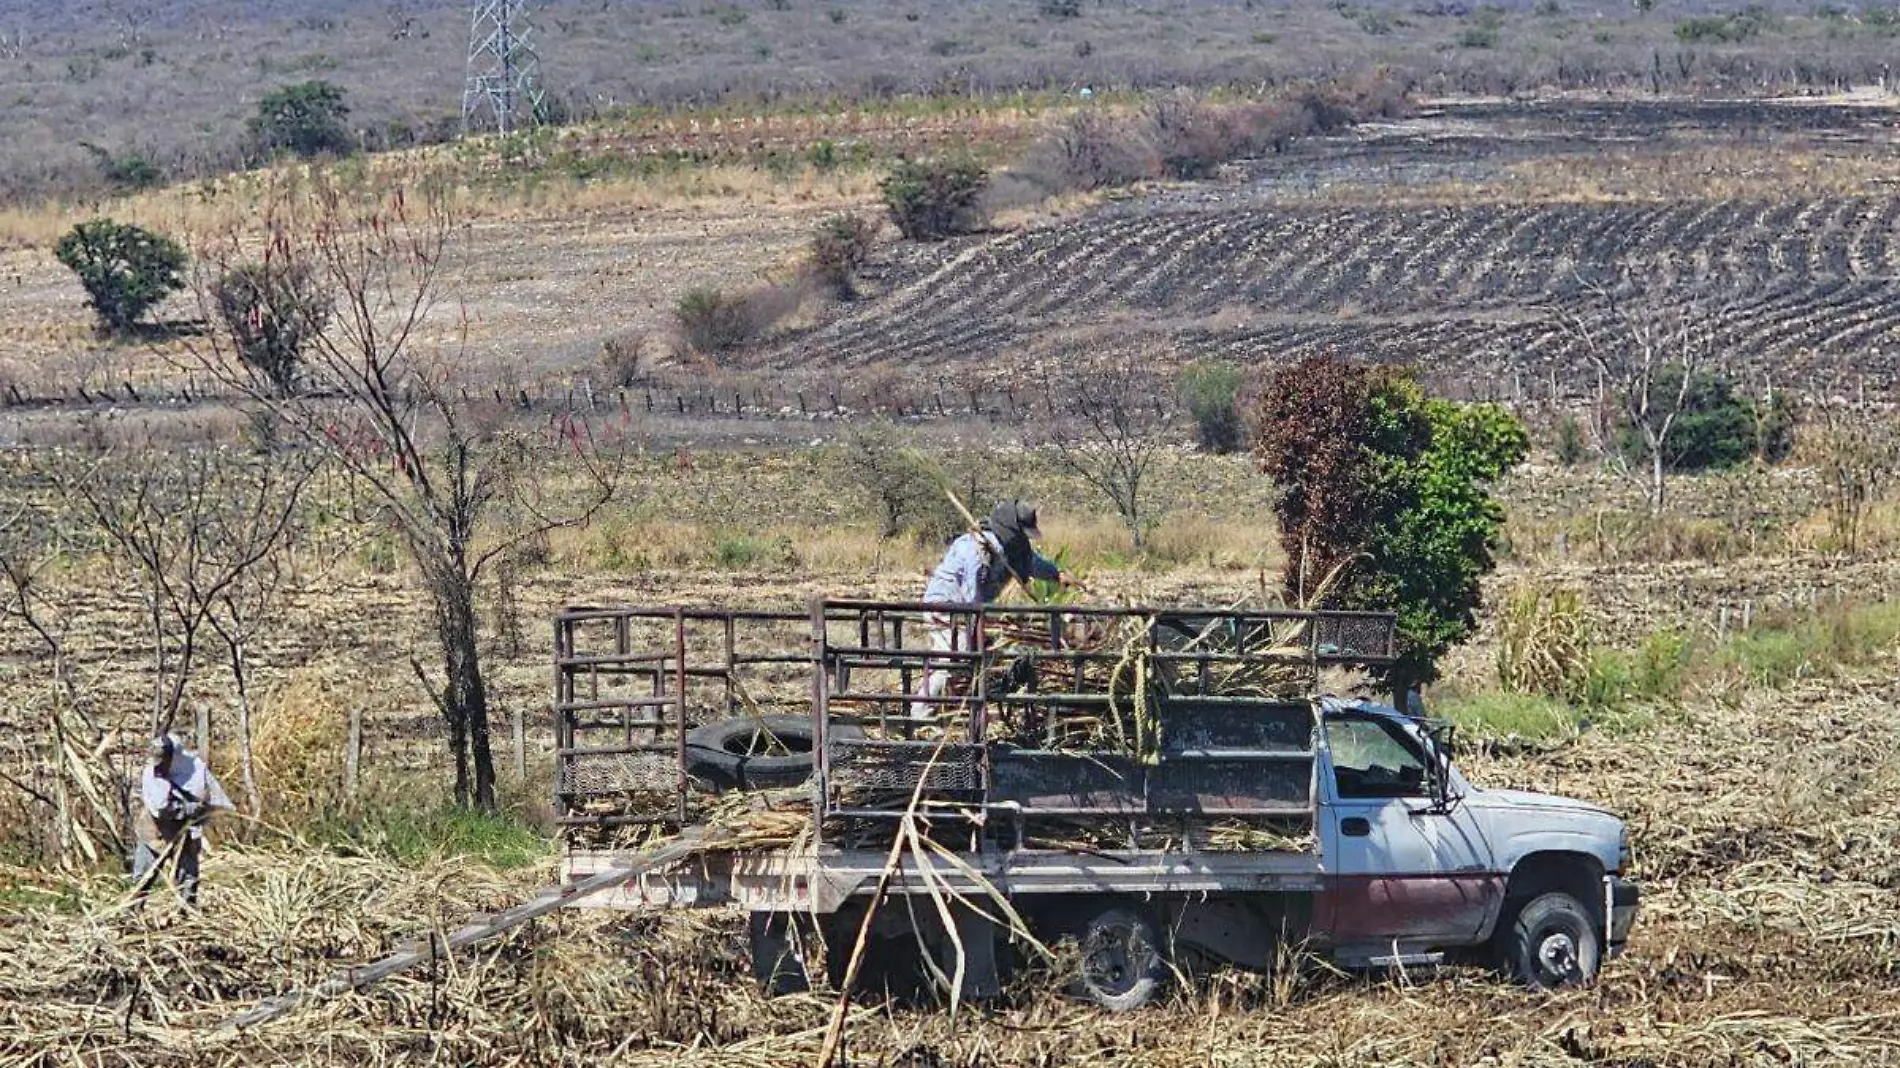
column 1161, row 786
column 1421, row 864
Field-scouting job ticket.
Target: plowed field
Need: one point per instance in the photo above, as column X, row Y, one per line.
column 1256, row 271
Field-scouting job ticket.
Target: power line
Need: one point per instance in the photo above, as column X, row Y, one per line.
column 503, row 91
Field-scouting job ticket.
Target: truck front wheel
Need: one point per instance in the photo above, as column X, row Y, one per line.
column 1122, row 967
column 1553, row 943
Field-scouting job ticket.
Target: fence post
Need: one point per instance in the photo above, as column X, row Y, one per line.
column 203, row 727
column 521, row 745
column 353, row 752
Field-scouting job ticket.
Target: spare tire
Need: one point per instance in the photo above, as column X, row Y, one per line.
column 755, row 752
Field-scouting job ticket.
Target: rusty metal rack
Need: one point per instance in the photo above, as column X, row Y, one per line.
column 629, row 683
column 960, row 708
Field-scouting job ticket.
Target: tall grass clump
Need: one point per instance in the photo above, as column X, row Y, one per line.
column 1544, row 646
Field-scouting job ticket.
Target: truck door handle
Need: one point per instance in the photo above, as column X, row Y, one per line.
column 1355, row 827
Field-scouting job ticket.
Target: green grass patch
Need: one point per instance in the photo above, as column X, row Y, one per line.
column 1496, row 716
column 18, row 899
column 1779, row 653
column 412, row 836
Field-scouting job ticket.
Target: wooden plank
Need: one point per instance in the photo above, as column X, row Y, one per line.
column 549, row 900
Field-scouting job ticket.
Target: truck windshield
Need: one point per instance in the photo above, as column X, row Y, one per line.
column 1373, row 758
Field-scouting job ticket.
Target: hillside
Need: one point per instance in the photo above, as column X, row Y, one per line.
column 175, row 81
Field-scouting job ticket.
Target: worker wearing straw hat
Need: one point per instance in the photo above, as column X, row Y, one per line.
column 177, row 795
column 975, row 570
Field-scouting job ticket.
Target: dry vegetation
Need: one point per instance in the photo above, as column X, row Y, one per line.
column 1764, row 827
column 174, row 82
column 1722, row 680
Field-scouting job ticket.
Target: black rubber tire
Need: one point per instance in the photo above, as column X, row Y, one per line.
column 721, row 751
column 1553, row 942
column 776, row 963
column 1122, row 966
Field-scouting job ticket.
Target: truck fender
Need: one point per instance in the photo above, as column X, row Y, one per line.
column 1575, row 873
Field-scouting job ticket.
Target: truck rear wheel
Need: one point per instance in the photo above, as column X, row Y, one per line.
column 1122, row 966
column 777, row 963
column 1553, row 943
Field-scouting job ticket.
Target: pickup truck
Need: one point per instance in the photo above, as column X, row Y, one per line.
column 1161, row 786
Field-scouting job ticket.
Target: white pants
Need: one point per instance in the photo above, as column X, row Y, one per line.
column 943, row 639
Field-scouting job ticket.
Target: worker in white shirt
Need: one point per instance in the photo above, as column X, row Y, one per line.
column 974, row 571
column 178, row 795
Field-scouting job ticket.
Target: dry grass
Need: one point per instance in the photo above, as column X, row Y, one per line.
column 1768, row 937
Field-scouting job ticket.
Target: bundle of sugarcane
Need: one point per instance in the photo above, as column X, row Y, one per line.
column 759, row 819
column 1244, row 835
column 1080, row 834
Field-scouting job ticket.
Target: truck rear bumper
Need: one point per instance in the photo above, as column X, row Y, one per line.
column 1622, row 897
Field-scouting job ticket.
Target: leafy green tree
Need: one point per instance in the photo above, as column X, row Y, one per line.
column 936, row 199
column 1713, row 427
column 306, row 119
column 1386, row 499
column 1211, row 392
column 126, row 270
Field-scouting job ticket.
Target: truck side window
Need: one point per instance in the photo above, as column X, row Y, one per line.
column 1372, row 758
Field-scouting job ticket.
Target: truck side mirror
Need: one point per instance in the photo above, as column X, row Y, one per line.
column 1443, row 738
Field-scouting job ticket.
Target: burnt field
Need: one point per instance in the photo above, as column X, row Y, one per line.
column 1462, row 241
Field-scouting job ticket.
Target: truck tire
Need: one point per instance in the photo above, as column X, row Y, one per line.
column 756, row 752
column 1553, row 943
column 1121, row 966
column 776, row 961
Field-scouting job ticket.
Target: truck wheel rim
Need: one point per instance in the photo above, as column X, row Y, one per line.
column 1109, row 965
column 1557, row 956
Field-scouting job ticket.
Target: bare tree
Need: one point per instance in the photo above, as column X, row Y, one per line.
column 82, row 794
column 1647, row 346
column 196, row 534
column 1107, row 426
column 1857, row 452
column 462, row 481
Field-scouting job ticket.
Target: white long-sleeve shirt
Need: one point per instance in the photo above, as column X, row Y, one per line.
column 973, row 571
column 185, row 790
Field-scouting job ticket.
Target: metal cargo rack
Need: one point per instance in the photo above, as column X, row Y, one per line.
column 986, row 745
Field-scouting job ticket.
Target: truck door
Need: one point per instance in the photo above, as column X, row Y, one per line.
column 1397, row 870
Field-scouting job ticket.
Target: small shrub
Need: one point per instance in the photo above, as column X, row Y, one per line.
column 620, row 357
column 126, row 270
column 1211, row 392
column 1721, row 29
column 934, row 200
column 735, row 552
column 905, row 486
column 839, row 248
column 714, row 321
column 271, row 312
column 1192, row 138
column 1661, row 666
column 1061, row 9
column 1715, row 427
column 130, row 171
column 307, row 119
column 1571, row 448
column 1090, row 149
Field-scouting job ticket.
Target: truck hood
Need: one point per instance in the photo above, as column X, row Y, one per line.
column 1525, row 799
column 1518, row 823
